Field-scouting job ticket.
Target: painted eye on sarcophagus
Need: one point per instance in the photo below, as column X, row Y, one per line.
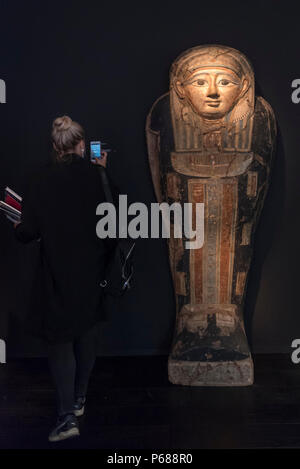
column 200, row 82
column 224, row 82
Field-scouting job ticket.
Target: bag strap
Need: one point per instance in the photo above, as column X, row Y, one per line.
column 106, row 185
column 108, row 194
column 107, row 190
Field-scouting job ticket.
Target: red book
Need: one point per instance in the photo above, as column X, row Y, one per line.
column 12, row 202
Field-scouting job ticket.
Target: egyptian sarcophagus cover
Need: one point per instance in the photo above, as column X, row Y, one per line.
column 211, row 141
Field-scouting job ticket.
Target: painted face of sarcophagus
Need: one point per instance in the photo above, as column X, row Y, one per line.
column 211, row 141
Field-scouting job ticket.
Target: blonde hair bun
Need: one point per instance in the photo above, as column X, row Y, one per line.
column 62, row 123
column 66, row 134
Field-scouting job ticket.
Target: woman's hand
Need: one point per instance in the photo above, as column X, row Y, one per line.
column 16, row 224
column 101, row 161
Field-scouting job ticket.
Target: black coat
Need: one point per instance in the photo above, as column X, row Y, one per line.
column 59, row 207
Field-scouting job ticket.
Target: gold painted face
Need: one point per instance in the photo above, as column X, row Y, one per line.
column 212, row 92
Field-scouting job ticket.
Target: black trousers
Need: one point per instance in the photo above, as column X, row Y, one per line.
column 71, row 365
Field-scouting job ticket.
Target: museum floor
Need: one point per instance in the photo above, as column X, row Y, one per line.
column 131, row 405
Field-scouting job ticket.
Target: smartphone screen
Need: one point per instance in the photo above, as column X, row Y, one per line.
column 95, row 150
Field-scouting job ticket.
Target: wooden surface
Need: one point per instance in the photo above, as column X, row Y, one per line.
column 131, row 405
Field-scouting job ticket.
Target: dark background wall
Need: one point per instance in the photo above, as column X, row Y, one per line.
column 104, row 63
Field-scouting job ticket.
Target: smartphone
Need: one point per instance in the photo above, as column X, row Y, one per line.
column 95, row 150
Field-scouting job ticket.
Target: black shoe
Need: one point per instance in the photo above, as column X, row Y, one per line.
column 79, row 406
column 66, row 427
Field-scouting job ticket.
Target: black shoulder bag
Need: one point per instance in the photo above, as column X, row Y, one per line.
column 119, row 271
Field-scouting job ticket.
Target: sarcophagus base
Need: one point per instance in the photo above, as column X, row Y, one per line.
column 211, row 347
column 226, row 373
